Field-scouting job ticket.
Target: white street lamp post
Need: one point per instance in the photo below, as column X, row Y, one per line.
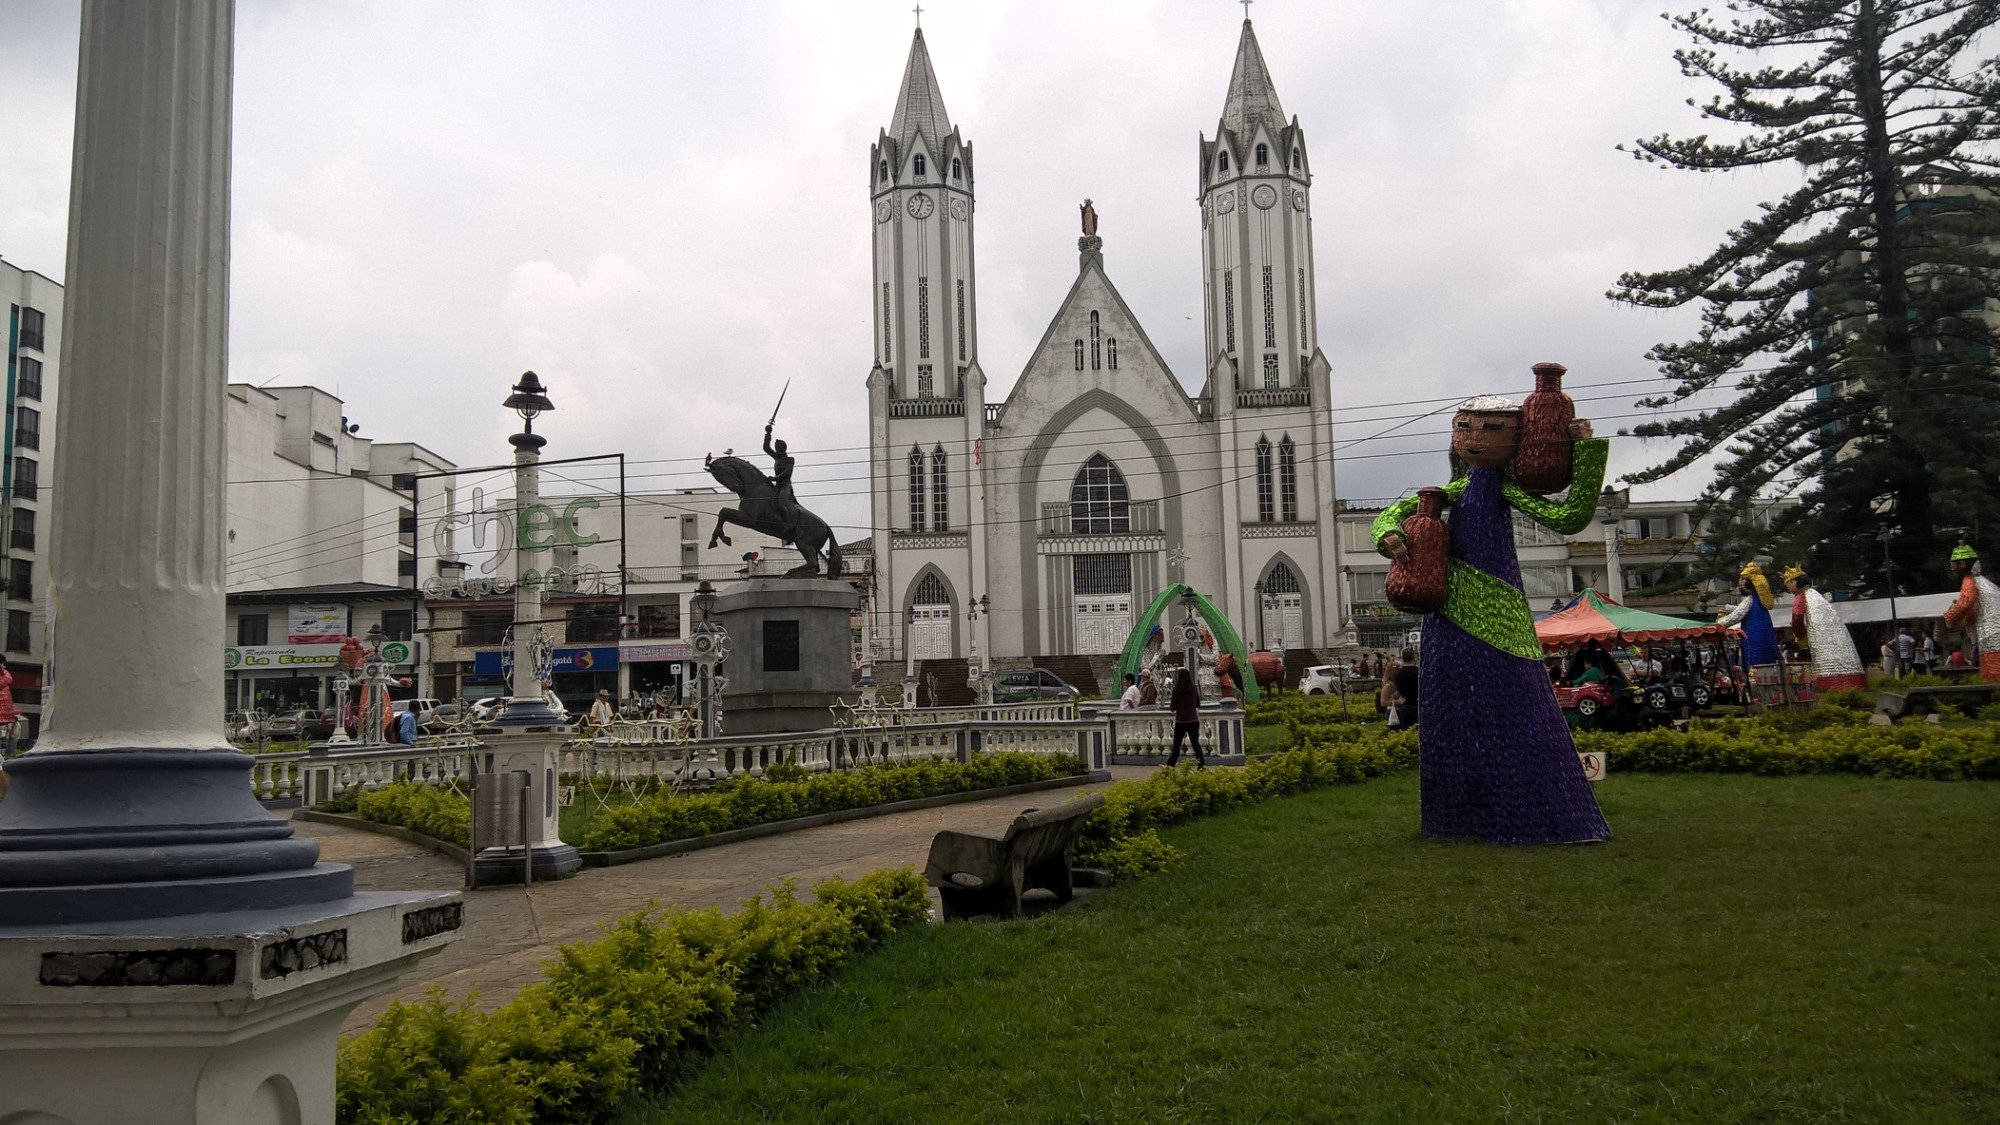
column 526, row 706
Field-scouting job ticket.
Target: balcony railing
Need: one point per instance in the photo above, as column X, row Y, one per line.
column 22, row 539
column 31, row 338
column 926, row 407
column 28, row 388
column 1274, row 396
column 1137, row 517
column 27, row 439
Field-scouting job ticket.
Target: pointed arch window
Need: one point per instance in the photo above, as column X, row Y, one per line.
column 916, row 489
column 957, row 169
column 1263, row 155
column 931, row 591
column 1096, row 343
column 1222, row 164
column 1288, row 481
column 885, row 172
column 1295, row 159
column 940, row 496
column 917, row 164
column 1111, row 352
column 1079, row 355
column 1098, row 501
column 1280, row 579
column 1266, row 510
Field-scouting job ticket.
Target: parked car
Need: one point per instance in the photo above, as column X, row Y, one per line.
column 1322, row 679
column 1589, row 701
column 421, row 706
column 1021, row 685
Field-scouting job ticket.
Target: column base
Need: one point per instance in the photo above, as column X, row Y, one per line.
column 502, row 866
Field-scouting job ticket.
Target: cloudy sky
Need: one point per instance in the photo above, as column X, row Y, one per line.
column 661, row 207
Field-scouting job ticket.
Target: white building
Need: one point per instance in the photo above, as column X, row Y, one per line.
column 34, row 306
column 1100, row 480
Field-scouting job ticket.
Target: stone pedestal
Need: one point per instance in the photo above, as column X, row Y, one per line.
column 535, row 752
column 792, row 653
column 226, row 1019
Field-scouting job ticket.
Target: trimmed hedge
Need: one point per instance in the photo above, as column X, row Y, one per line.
column 749, row 801
column 1283, row 710
column 1825, row 741
column 428, row 809
column 616, row 1015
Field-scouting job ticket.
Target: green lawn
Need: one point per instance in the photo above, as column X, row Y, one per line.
column 1746, row 948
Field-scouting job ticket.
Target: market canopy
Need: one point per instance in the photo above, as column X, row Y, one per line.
column 1592, row 616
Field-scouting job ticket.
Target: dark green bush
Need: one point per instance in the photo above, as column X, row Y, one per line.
column 748, row 801
column 429, row 809
column 1136, row 857
column 615, row 1015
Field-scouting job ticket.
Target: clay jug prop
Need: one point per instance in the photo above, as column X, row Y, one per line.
column 1543, row 464
column 1418, row 585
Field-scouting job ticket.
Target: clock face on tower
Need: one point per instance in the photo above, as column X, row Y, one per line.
column 1264, row 196
column 958, row 210
column 884, row 210
column 921, row 206
column 1298, row 200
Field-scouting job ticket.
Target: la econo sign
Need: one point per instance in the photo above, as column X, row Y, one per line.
column 240, row 658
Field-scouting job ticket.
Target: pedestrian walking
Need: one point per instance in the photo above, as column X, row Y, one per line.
column 1149, row 690
column 1926, row 654
column 1906, row 649
column 1186, row 700
column 10, row 718
column 600, row 712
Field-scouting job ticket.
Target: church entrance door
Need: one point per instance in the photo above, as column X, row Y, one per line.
column 1284, row 620
column 930, row 632
column 1102, row 624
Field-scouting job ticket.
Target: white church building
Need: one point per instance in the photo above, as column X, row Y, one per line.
column 1065, row 509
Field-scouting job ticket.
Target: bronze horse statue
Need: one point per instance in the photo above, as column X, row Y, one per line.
column 765, row 512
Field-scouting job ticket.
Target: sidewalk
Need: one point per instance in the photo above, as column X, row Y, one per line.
column 509, row 932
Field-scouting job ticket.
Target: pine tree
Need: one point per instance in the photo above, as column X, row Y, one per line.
column 1852, row 323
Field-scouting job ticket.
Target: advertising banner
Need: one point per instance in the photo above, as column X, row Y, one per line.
column 315, row 624
column 303, row 657
column 655, row 651
column 594, row 659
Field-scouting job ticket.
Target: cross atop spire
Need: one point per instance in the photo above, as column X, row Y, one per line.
column 919, row 103
column 1253, row 97
column 1246, row 9
column 919, row 10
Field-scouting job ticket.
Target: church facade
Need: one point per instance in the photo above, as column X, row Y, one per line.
column 1045, row 524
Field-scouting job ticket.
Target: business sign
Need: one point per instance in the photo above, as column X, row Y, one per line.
column 304, row 657
column 537, row 527
column 315, row 624
column 595, row 659
column 641, row 654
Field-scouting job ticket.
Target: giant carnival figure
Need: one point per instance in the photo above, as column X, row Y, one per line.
column 1497, row 760
column 1977, row 608
column 1836, row 666
column 769, row 507
column 1753, row 616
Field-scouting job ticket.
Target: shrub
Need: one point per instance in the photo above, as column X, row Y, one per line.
column 747, row 801
column 428, row 809
column 616, row 1014
column 1136, row 857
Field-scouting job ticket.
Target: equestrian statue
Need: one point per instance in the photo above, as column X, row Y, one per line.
column 769, row 507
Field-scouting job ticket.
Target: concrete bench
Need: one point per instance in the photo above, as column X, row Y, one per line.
column 978, row 875
column 1921, row 700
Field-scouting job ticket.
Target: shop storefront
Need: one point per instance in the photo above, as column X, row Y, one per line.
column 278, row 678
column 578, row 675
column 655, row 668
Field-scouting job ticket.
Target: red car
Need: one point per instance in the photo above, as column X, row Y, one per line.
column 1587, row 700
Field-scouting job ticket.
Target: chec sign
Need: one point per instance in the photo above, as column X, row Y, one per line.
column 539, row 528
column 269, row 657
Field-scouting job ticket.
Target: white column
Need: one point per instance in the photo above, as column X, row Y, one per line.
column 141, row 459
column 527, row 595
column 1614, row 570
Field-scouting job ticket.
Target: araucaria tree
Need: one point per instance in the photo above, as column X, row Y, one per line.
column 1851, row 323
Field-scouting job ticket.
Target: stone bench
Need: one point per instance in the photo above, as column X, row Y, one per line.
column 1921, row 700
column 978, row 875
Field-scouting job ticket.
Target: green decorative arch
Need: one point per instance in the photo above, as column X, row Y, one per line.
column 1225, row 636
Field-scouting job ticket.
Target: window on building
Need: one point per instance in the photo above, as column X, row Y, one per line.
column 961, row 320
column 888, row 346
column 1098, row 575
column 916, row 489
column 25, row 470
column 18, row 631
column 917, row 164
column 781, row 640
column 1270, row 372
column 399, row 624
column 1270, row 316
column 1370, row 587
column 591, row 624
column 253, row 628
column 1229, row 310
column 1281, row 580
column 957, row 169
column 662, row 621
column 21, row 579
column 1111, row 352
column 1288, row 481
column 923, row 318
column 940, row 505
column 1096, row 343
column 22, row 536
column 485, row 627
column 1079, row 355
column 1295, row 158
column 926, row 384
column 1222, row 164
column 27, row 378
column 1263, row 155
column 884, row 171
column 1302, row 309
column 32, row 323
column 1098, row 501
column 1265, row 506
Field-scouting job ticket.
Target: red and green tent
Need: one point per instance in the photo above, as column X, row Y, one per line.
column 1592, row 616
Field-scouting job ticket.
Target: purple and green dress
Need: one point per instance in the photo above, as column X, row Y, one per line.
column 1497, row 760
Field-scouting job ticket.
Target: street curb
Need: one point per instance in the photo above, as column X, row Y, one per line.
column 779, row 827
column 408, row 835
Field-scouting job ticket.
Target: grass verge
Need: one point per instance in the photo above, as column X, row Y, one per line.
column 1775, row 948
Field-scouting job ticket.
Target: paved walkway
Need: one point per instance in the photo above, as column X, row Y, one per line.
column 509, row 932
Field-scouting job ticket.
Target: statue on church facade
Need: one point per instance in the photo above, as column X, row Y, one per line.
column 768, row 507
column 1089, row 210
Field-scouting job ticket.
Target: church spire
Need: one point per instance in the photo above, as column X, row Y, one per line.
column 919, row 103
column 1253, row 97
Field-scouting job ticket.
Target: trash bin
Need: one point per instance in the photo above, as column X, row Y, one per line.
column 500, row 813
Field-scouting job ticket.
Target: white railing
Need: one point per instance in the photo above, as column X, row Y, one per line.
column 276, row 776
column 1038, row 711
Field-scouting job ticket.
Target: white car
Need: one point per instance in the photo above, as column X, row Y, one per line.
column 1320, row 679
